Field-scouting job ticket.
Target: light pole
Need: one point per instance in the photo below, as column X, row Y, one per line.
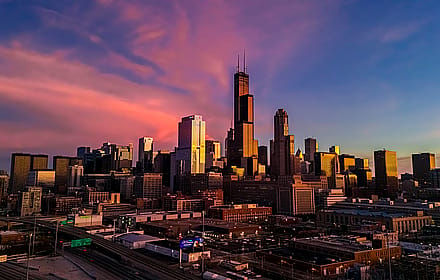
column 56, row 238
column 29, row 255
column 203, row 245
column 33, row 237
column 389, row 256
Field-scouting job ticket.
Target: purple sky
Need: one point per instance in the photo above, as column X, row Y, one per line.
column 359, row 74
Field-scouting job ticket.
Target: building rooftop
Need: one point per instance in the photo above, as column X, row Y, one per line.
column 368, row 213
column 133, row 237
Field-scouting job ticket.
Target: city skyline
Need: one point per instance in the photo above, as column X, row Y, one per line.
column 148, row 79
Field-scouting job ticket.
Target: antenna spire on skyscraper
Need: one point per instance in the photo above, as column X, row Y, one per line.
column 238, row 63
column 244, row 61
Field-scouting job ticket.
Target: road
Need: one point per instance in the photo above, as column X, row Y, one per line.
column 9, row 271
column 149, row 267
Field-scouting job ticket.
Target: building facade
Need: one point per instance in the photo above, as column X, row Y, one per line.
column 282, row 147
column 422, row 164
column 145, row 154
column 241, row 147
column 385, row 166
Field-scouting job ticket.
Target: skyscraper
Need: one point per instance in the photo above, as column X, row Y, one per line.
column 385, row 166
column 21, row 164
column 61, row 167
column 242, row 148
column 190, row 153
column 4, row 185
column 213, row 153
column 311, row 147
column 326, row 164
column 148, row 185
column 334, row 149
column 262, row 155
column 282, row 147
column 39, row 162
column 422, row 165
column 145, row 154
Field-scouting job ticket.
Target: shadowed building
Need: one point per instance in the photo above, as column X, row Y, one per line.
column 61, row 166
column 422, row 165
column 21, row 164
column 145, row 154
column 282, row 147
column 385, row 166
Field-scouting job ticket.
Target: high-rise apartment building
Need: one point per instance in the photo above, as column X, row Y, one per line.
column 282, row 147
column 145, row 154
column 311, row 147
column 241, row 147
column 422, row 164
column 190, row 153
column 385, row 166
column 21, row 164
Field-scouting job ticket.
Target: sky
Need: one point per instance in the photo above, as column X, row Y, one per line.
column 359, row 74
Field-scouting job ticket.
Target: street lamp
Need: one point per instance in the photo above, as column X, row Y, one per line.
column 29, row 255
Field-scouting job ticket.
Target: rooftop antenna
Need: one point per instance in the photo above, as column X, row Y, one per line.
column 244, row 60
column 238, row 63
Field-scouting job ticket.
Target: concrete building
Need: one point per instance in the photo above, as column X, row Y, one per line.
column 400, row 222
column 75, row 173
column 240, row 212
column 30, row 201
column 136, row 241
column 296, row 199
column 60, row 205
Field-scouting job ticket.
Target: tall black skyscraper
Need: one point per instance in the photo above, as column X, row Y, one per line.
column 422, row 165
column 311, row 147
column 282, row 147
column 242, row 148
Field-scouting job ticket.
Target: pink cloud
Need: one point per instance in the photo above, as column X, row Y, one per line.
column 194, row 47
